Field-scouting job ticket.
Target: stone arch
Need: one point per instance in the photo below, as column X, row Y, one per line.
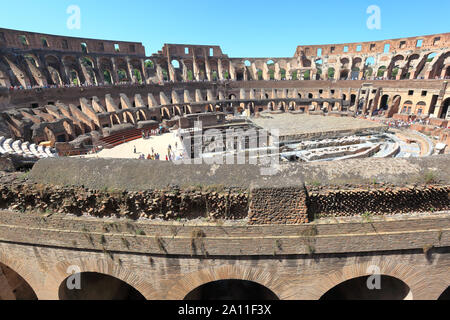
column 72, row 64
column 177, row 111
column 128, row 117
column 439, row 65
column 187, row 109
column 115, row 119
column 420, row 107
column 415, row 278
column 122, row 75
column 231, row 289
column 271, row 106
column 141, row 116
column 59, row 273
column 394, row 68
column 22, row 272
column 99, row 286
column 407, row 107
column 292, row 106
column 356, row 289
column 165, row 113
column 189, row 282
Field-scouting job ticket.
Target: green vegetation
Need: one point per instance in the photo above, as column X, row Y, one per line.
column 430, row 177
column 367, row 216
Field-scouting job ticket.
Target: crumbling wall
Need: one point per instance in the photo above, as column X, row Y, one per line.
column 282, row 205
column 374, row 200
column 165, row 204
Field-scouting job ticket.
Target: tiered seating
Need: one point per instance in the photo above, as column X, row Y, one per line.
column 49, row 152
column 42, row 153
column 7, row 145
column 2, row 150
column 121, row 137
column 34, row 151
column 25, row 149
column 17, row 147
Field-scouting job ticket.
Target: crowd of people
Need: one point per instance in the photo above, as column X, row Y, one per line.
column 148, row 133
column 170, row 156
column 162, row 82
column 59, row 86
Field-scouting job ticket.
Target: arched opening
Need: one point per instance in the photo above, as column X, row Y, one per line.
column 149, row 64
column 283, row 73
column 306, row 75
column 445, row 295
column 344, row 75
column 74, row 79
column 107, row 76
column 331, row 73
column 384, row 102
column 231, row 290
column 122, row 74
column 352, row 100
column 137, row 75
column 247, row 63
column 389, row 288
column 175, row 64
column 407, row 107
column 420, row 107
column 271, row 69
column 355, row 73
column 318, row 69
column 381, row 71
column 444, row 110
column 97, row 286
column 13, row 286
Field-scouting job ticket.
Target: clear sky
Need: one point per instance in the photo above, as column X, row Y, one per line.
column 243, row 28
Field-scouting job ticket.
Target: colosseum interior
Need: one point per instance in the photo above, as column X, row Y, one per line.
column 356, row 134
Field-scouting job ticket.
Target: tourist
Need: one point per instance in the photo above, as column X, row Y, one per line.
column 134, row 150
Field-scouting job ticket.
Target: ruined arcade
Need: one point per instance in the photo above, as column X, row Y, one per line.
column 345, row 167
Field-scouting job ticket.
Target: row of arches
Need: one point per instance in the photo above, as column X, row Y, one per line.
column 99, row 286
column 31, row 69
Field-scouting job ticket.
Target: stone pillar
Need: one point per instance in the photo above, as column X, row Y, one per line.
column 208, row 69
column 220, row 69
column 144, row 71
column 130, row 71
column 114, row 71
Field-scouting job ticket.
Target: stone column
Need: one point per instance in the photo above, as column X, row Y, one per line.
column 220, row 69
column 130, row 71
column 115, row 70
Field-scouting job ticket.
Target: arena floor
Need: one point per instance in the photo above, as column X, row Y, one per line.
column 143, row 146
column 297, row 124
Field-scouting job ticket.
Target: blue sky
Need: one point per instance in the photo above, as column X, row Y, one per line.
column 243, row 28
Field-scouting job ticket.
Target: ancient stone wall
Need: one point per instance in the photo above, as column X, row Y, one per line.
column 150, row 189
column 367, row 201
